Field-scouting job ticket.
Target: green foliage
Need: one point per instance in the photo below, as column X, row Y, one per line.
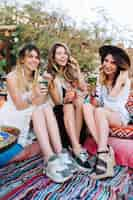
column 92, row 80
column 3, row 64
column 35, row 24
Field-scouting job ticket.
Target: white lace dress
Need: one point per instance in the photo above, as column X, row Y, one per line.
column 115, row 103
column 10, row 116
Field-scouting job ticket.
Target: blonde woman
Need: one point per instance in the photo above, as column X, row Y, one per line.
column 66, row 88
column 27, row 100
column 112, row 90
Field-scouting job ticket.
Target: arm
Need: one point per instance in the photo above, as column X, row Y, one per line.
column 54, row 93
column 39, row 95
column 52, row 88
column 120, row 82
column 16, row 95
column 98, row 94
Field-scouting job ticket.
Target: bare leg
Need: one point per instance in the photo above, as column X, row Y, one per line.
column 88, row 111
column 104, row 119
column 78, row 116
column 69, row 120
column 105, row 157
column 40, row 127
column 79, row 153
column 53, row 129
column 103, row 128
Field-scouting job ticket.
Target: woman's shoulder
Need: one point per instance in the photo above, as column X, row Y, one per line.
column 11, row 78
column 11, row 75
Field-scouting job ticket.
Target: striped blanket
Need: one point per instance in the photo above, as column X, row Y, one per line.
column 25, row 181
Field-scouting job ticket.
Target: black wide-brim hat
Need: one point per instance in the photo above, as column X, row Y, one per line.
column 114, row 50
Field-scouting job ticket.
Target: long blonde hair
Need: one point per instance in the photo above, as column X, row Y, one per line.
column 21, row 83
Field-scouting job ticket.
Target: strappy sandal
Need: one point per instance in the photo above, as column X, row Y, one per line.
column 104, row 165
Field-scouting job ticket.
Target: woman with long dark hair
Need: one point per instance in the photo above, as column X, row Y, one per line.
column 113, row 89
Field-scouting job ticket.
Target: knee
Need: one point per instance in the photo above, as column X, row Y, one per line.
column 36, row 113
column 99, row 111
column 68, row 108
column 78, row 103
column 68, row 111
column 47, row 109
column 87, row 107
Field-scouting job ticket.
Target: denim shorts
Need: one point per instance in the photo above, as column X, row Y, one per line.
column 9, row 154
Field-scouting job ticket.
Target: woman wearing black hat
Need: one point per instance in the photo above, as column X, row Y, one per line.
column 112, row 91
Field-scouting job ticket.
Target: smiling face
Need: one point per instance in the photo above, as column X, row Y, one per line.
column 61, row 56
column 31, row 60
column 109, row 65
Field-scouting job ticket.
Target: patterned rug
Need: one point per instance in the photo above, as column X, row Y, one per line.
column 25, row 181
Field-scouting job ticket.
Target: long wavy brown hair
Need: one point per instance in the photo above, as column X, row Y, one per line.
column 71, row 69
column 121, row 66
column 20, row 66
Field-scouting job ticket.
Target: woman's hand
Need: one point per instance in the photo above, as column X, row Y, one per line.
column 69, row 96
column 43, row 86
column 120, row 82
column 39, row 90
column 47, row 76
column 39, row 94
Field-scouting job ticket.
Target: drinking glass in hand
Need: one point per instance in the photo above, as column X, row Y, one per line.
column 44, row 86
column 43, row 83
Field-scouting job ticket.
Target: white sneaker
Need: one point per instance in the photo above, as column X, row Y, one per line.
column 67, row 159
column 57, row 171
